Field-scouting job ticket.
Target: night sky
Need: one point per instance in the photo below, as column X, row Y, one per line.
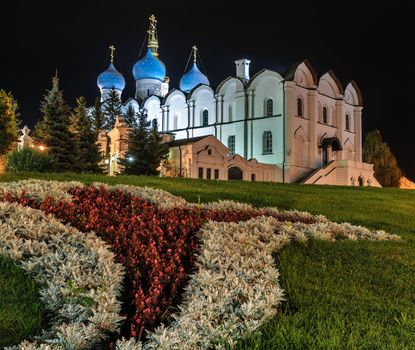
column 370, row 45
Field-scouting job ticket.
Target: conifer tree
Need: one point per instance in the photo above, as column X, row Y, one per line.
column 98, row 115
column 158, row 151
column 8, row 122
column 376, row 152
column 135, row 161
column 86, row 136
column 53, row 129
column 112, row 108
column 130, row 117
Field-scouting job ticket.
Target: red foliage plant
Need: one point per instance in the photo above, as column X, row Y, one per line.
column 157, row 247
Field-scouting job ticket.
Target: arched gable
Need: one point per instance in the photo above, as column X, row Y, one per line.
column 353, row 95
column 261, row 75
column 173, row 94
column 230, row 81
column 303, row 73
column 200, row 89
column 329, row 85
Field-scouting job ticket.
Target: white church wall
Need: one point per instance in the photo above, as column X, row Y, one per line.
column 204, row 100
column 153, row 108
column 177, row 111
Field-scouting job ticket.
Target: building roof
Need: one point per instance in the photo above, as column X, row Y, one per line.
column 182, row 142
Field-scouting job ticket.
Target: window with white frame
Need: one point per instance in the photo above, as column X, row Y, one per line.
column 269, row 107
column 205, row 118
column 231, row 144
column 267, row 142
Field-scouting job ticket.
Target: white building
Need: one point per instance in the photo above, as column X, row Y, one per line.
column 308, row 126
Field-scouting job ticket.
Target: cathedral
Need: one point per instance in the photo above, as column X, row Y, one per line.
column 295, row 127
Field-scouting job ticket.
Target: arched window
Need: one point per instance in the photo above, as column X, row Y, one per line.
column 347, row 122
column 230, row 113
column 269, row 108
column 267, row 142
column 299, row 107
column 205, row 118
column 324, row 115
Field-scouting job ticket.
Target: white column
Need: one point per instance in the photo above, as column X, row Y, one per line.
column 314, row 160
column 357, row 117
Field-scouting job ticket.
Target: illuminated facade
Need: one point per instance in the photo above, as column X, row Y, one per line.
column 308, row 126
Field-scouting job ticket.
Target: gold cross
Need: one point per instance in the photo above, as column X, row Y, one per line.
column 112, row 49
column 194, row 53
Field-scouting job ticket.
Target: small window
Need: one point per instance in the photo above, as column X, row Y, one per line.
column 347, row 122
column 205, row 118
column 267, row 142
column 253, row 177
column 216, row 174
column 231, row 144
column 299, row 107
column 200, row 173
column 208, row 173
column 154, row 123
column 324, row 115
column 209, row 152
column 230, row 114
column 269, row 111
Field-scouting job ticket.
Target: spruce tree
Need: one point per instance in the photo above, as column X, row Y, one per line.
column 130, row 117
column 98, row 115
column 158, row 151
column 135, row 161
column 86, row 136
column 8, row 122
column 112, row 108
column 378, row 153
column 53, row 129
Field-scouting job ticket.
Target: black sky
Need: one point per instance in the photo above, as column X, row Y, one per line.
column 366, row 41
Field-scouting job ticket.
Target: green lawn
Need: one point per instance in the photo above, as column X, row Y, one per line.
column 344, row 295
column 21, row 312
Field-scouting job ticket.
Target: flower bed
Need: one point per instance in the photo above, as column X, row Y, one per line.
column 80, row 281
column 235, row 286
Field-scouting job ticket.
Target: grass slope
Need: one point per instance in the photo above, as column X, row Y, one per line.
column 21, row 312
column 346, row 295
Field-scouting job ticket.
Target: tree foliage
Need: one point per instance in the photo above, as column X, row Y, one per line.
column 8, row 122
column 98, row 115
column 53, row 130
column 87, row 150
column 130, row 117
column 377, row 152
column 28, row 159
column 145, row 150
column 112, row 108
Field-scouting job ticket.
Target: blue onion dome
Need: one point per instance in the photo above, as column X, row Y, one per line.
column 111, row 78
column 149, row 67
column 193, row 78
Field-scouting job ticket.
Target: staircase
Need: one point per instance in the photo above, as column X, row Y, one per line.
column 319, row 174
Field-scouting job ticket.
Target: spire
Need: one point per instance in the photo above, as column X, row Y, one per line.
column 153, row 42
column 112, row 49
column 194, row 54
